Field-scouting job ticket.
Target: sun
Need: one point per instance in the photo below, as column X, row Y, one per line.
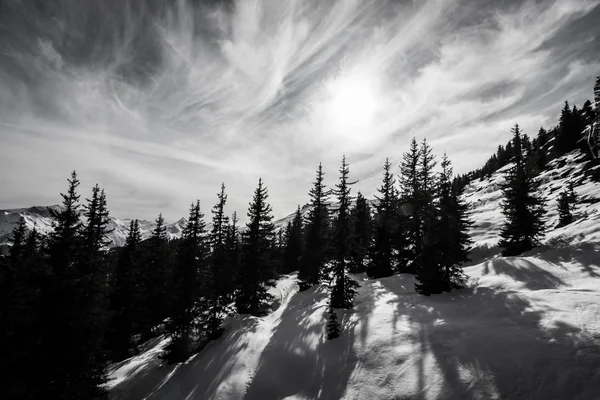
column 353, row 103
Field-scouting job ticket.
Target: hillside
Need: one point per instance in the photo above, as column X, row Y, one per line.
column 526, row 327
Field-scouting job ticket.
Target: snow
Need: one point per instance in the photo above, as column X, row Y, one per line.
column 526, row 327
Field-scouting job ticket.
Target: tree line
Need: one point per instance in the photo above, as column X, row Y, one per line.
column 566, row 136
column 71, row 305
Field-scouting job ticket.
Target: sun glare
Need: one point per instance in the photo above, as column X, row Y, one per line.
column 353, row 104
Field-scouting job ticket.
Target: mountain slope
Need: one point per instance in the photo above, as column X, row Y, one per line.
column 526, row 327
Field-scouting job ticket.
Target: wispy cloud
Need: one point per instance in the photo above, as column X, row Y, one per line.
column 160, row 103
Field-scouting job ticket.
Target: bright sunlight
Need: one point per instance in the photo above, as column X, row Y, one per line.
column 353, row 103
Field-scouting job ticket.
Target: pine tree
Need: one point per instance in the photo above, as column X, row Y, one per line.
column 126, row 295
column 567, row 134
column 411, row 204
column 566, row 204
column 540, row 153
column 523, row 208
column 333, row 326
column 597, row 96
column 157, row 277
column 294, row 244
column 362, row 233
column 73, row 302
column 220, row 278
column 315, row 251
column 191, row 260
column 22, row 282
column 344, row 287
column 385, row 227
column 258, row 270
column 565, row 216
column 234, row 255
column 453, row 242
column 428, row 273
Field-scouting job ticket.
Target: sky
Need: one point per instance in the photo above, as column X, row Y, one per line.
column 159, row 102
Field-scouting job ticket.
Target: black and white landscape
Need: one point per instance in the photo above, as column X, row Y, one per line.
column 263, row 199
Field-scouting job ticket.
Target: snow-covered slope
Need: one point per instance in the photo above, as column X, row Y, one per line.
column 527, row 327
column 484, row 197
column 40, row 218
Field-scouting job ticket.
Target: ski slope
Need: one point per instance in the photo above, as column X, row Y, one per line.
column 526, row 327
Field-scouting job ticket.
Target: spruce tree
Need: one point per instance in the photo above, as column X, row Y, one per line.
column 191, row 260
column 566, row 135
column 73, row 300
column 452, row 239
column 567, row 200
column 344, row 287
column 362, row 234
column 258, row 270
column 22, row 280
column 597, row 96
column 294, row 244
column 411, row 204
column 333, row 325
column 125, row 299
column 156, row 277
column 314, row 256
column 565, row 216
column 523, row 208
column 385, row 227
column 220, row 278
column 428, row 273
column 234, row 255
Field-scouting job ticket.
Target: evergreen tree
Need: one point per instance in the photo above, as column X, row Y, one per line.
column 73, row 300
column 191, row 260
column 588, row 112
column 565, row 216
column 125, row 298
column 540, row 152
column 452, row 242
column 258, row 270
column 523, row 208
column 344, row 287
column 156, row 277
column 427, row 279
column 385, row 227
column 294, row 244
column 566, row 203
column 362, row 234
column 220, row 278
column 333, row 326
column 315, row 252
column 234, row 255
column 566, row 135
column 411, row 204
column 22, row 279
column 597, row 96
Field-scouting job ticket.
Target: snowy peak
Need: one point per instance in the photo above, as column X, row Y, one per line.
column 39, row 217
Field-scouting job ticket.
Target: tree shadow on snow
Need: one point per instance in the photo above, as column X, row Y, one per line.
column 299, row 360
column 492, row 345
column 524, row 271
column 585, row 254
column 199, row 377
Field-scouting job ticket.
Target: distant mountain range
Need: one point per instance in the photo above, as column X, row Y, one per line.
column 39, row 217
